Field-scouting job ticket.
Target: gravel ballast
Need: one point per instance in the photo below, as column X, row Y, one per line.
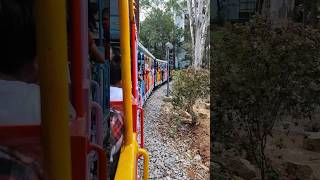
column 167, row 157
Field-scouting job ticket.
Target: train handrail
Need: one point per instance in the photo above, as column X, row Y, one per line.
column 141, row 127
column 101, row 74
column 125, row 69
column 127, row 162
column 145, row 155
column 97, row 93
column 99, row 122
column 102, row 160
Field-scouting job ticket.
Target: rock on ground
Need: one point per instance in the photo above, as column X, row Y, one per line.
column 312, row 142
column 242, row 168
column 299, row 171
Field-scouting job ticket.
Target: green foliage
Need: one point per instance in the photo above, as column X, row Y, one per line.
column 145, row 4
column 190, row 85
column 273, row 174
column 157, row 29
column 216, row 36
column 260, row 74
column 176, row 6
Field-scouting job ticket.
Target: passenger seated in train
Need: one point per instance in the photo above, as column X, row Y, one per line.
column 116, row 55
column 115, row 79
column 92, row 19
column 116, row 117
column 19, row 92
column 116, row 139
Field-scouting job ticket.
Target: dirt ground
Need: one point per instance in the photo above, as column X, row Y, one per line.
column 285, row 146
column 200, row 145
column 197, row 137
column 287, row 153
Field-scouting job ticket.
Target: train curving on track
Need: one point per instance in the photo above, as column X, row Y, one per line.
column 79, row 148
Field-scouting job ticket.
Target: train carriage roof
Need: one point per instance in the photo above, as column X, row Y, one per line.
column 145, row 50
column 162, row 61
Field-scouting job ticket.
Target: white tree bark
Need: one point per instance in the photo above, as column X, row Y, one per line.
column 191, row 21
column 199, row 18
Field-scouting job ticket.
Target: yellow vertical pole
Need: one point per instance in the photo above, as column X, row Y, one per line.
column 126, row 69
column 52, row 57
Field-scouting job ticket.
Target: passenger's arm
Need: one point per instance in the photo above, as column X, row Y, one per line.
column 96, row 54
column 94, row 51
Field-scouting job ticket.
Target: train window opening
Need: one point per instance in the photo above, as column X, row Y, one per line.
column 99, row 56
column 115, row 80
column 20, row 109
column 116, row 93
column 19, row 90
column 92, row 58
column 96, row 48
column 19, row 78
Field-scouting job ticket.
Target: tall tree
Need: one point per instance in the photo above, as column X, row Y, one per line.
column 261, row 76
column 219, row 19
column 259, row 6
column 277, row 11
column 147, row 6
column 218, row 7
column 199, row 16
column 157, row 29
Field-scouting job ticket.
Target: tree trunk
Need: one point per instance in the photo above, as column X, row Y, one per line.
column 259, row 6
column 218, row 10
column 279, row 12
column 191, row 23
column 199, row 22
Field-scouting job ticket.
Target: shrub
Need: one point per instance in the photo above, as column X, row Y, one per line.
column 260, row 74
column 190, row 85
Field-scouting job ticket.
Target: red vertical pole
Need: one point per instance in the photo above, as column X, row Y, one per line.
column 79, row 55
column 76, row 58
column 79, row 157
column 134, row 68
column 134, row 60
column 142, row 127
column 79, row 59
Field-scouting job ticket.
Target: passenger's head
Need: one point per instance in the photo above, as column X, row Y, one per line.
column 115, row 73
column 115, row 53
column 92, row 16
column 116, row 58
column 18, row 39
